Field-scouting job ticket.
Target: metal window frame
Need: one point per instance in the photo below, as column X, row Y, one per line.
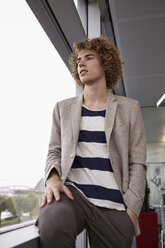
column 106, row 20
column 61, row 22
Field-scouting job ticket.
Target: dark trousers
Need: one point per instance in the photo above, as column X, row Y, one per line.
column 60, row 222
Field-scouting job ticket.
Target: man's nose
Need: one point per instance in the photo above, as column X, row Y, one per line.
column 81, row 63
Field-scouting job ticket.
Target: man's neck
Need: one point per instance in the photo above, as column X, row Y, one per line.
column 95, row 97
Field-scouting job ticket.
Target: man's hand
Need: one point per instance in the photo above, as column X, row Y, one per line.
column 132, row 215
column 53, row 189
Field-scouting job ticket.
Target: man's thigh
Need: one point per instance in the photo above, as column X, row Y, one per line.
column 110, row 229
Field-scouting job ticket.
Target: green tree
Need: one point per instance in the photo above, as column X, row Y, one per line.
column 19, row 204
column 6, row 203
column 3, row 199
column 10, row 206
column 32, row 200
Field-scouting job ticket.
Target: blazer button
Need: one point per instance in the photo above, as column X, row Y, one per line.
column 71, row 156
column 63, row 179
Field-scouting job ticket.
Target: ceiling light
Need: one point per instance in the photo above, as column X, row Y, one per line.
column 161, row 102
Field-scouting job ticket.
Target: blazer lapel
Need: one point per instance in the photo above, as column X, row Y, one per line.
column 110, row 115
column 76, row 117
column 109, row 124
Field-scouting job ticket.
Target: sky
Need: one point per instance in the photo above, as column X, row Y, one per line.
column 33, row 78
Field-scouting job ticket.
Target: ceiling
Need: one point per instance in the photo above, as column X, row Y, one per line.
column 139, row 28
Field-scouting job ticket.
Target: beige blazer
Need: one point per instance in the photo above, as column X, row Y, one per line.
column 125, row 138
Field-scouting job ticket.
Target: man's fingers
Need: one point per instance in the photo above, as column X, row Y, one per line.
column 56, row 195
column 132, row 216
column 49, row 195
column 47, row 198
column 43, row 201
column 40, row 202
column 67, row 192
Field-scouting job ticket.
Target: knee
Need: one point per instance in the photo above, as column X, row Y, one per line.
column 57, row 227
column 56, row 234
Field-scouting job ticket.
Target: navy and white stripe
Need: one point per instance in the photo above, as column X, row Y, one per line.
column 91, row 171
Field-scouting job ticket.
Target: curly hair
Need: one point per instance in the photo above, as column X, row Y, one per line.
column 109, row 59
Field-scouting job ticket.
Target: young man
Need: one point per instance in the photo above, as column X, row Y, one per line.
column 95, row 171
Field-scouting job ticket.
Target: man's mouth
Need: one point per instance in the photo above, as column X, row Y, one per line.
column 82, row 72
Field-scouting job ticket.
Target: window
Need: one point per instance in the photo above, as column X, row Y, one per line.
column 33, row 78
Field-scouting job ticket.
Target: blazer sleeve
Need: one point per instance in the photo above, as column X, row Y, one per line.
column 134, row 195
column 54, row 151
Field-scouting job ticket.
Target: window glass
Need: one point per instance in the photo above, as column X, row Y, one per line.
column 33, row 78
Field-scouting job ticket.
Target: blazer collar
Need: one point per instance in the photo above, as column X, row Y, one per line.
column 76, row 117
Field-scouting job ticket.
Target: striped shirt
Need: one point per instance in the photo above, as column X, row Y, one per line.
column 91, row 172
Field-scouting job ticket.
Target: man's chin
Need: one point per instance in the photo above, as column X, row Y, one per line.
column 87, row 82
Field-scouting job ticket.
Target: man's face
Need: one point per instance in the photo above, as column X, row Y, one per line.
column 89, row 68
